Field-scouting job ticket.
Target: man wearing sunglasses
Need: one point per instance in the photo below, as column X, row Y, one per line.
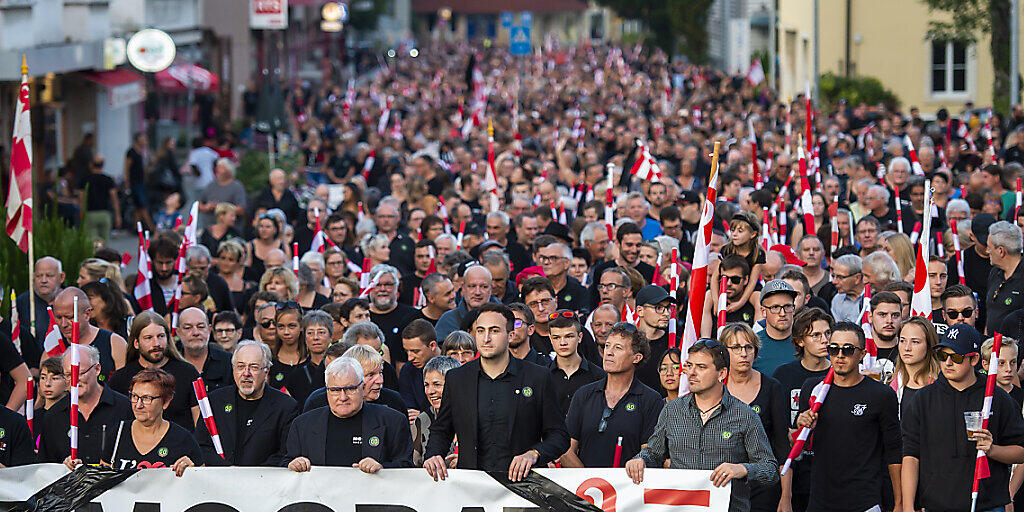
column 653, row 307
column 959, row 306
column 938, row 451
column 856, row 433
column 569, row 370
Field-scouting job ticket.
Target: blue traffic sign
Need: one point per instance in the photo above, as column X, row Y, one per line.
column 506, row 19
column 526, row 19
column 519, row 40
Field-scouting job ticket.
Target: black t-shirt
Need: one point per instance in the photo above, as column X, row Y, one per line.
column 391, row 324
column 9, row 360
column 180, row 409
column 344, row 440
column 279, row 372
column 304, row 379
column 791, row 377
column 648, row 372
column 97, row 188
column 176, row 443
column 856, row 436
column 17, row 446
column 246, row 410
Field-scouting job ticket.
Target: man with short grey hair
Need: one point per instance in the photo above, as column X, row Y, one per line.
column 198, row 260
column 387, row 218
column 224, row 189
column 386, row 311
column 476, row 290
column 848, row 277
column 880, row 269
column 252, row 418
column 1006, row 280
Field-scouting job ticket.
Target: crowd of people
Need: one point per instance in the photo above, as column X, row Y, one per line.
column 396, row 301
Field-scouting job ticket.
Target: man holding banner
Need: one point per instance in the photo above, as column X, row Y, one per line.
column 711, row 429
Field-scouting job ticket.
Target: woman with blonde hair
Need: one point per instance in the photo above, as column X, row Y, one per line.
column 376, row 247
column 916, row 366
column 94, row 269
column 223, row 229
column 898, row 246
column 230, row 264
column 280, row 281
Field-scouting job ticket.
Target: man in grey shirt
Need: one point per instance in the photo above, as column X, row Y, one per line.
column 224, row 189
column 710, row 429
column 848, row 277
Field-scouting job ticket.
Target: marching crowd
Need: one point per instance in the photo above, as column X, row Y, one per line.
column 424, row 291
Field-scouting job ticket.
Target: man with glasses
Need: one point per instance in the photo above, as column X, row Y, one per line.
column 554, row 259
column 653, row 305
column 212, row 363
column 227, row 330
column 1006, row 280
column 349, row 432
column 569, row 370
column 959, row 305
column 385, row 310
column 886, row 315
column 614, row 287
column 709, row 429
column 778, row 301
column 522, row 330
column 868, row 229
column 100, row 411
column 539, row 296
column 847, row 275
column 478, row 401
column 617, row 406
column 252, row 418
column 856, row 433
column 938, row 449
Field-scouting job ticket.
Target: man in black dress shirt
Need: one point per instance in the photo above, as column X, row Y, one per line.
column 212, row 362
column 349, row 432
column 504, row 411
column 100, row 411
column 251, row 417
column 569, row 370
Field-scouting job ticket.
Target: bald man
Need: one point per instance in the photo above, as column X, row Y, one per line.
column 476, row 291
column 212, row 362
column 47, row 278
column 277, row 195
column 275, row 258
column 113, row 348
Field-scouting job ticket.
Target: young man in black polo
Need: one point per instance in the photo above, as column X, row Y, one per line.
column 652, row 309
column 618, row 406
column 938, row 454
column 569, row 370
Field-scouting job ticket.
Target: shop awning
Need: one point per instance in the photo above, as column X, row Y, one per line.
column 111, row 78
column 123, row 87
column 187, row 76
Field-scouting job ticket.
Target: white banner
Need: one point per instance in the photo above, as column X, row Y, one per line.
column 399, row 490
column 268, row 14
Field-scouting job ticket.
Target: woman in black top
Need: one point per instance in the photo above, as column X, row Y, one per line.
column 150, row 441
column 223, row 229
column 268, row 237
column 290, row 351
column 764, row 395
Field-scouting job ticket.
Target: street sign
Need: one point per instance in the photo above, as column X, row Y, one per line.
column 506, row 19
column 526, row 19
column 151, row 50
column 519, row 40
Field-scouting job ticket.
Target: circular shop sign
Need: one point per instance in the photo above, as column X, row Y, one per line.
column 151, row 50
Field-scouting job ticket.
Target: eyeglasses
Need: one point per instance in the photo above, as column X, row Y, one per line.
column 837, row 276
column 847, row 350
column 538, row 303
column 252, row 367
column 518, row 323
column 347, row 390
column 819, row 335
column 779, row 308
column 143, row 399
column 609, row 286
column 223, row 332
column 963, row 313
column 563, row 314
column 742, row 348
column 67, row 376
column 734, row 279
column 549, row 259
column 957, row 358
column 659, row 309
column 601, row 427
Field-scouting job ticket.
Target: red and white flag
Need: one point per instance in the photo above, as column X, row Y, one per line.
column 30, row 404
column 204, row 408
column 19, row 192
column 53, row 343
column 645, row 167
column 817, row 398
column 385, row 115
column 870, row 348
column 981, row 469
column 755, row 74
column 191, row 236
column 957, row 252
column 143, row 291
column 921, row 301
column 368, row 164
column 914, row 162
column 806, row 204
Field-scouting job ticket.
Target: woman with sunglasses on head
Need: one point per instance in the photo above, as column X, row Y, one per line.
column 916, row 366
column 668, row 373
column 764, row 395
column 150, row 440
column 290, row 351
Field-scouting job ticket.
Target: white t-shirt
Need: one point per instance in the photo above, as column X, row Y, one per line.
column 203, row 158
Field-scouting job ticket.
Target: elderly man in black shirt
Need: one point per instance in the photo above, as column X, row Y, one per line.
column 349, row 432
column 503, row 410
column 251, row 417
column 1006, row 280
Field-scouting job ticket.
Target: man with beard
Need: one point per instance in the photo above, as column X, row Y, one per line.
column 209, row 360
column 439, row 291
column 163, row 252
column 731, row 440
column 386, row 311
column 856, row 433
column 155, row 350
column 886, row 315
column 48, row 277
column 476, row 291
column 522, row 330
column 251, row 417
column 736, row 270
column 112, row 348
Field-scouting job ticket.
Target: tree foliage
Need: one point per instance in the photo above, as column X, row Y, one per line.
column 856, row 90
column 676, row 26
column 968, row 21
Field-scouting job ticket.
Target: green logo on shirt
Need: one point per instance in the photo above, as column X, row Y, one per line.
column 568, row 298
column 1008, row 301
column 374, row 441
column 2, row 433
column 746, row 317
column 756, row 408
column 227, row 408
column 726, row 434
column 527, row 391
column 631, row 407
column 162, row 452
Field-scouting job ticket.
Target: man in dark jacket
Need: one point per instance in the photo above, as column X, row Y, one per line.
column 251, row 417
column 504, row 411
column 349, row 432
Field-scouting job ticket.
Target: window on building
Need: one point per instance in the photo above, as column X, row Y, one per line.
column 949, row 67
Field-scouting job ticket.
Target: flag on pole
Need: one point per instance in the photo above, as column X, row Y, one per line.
column 806, row 204
column 320, row 241
column 645, row 167
column 914, row 162
column 19, row 192
column 817, row 398
column 143, row 291
column 981, row 469
column 899, row 211
column 699, row 272
column 755, row 74
column 53, row 343
column 204, row 407
column 191, row 229
column 295, row 258
column 722, row 303
column 16, row 322
column 870, row 349
column 921, row 301
column 30, row 404
column 957, row 252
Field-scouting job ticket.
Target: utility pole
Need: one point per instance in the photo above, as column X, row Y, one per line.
column 1014, row 51
column 814, row 79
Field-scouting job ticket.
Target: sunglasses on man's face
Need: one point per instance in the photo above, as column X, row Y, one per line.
column 267, row 324
column 963, row 313
column 847, row 350
column 957, row 358
column 734, row 279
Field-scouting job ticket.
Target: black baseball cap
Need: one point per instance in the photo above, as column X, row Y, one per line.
column 652, row 294
column 980, row 225
column 688, row 197
column 962, row 339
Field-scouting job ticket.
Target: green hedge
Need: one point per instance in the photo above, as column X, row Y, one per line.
column 856, row 90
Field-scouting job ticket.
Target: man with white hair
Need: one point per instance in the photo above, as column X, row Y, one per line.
column 198, row 260
column 879, row 270
column 878, row 203
column 476, row 291
column 555, row 259
column 224, row 189
column 387, row 217
column 252, row 418
column 100, row 410
column 349, row 432
column 48, row 280
column 277, row 195
column 1006, row 280
column 385, row 310
column 212, row 362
